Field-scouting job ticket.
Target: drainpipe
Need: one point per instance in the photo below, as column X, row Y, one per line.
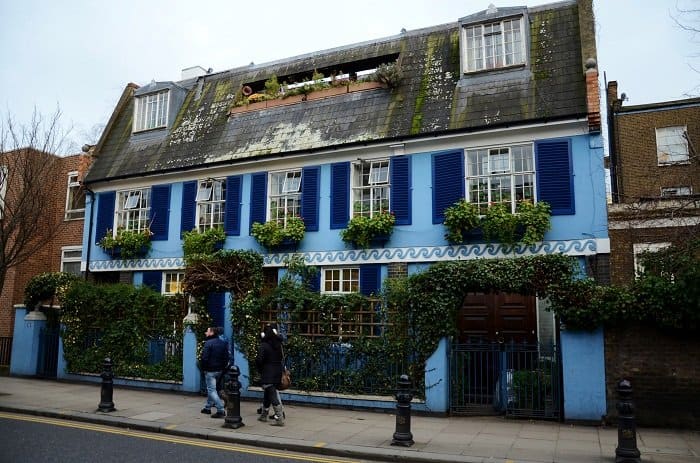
column 89, row 241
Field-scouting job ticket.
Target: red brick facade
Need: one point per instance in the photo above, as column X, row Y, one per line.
column 49, row 258
column 662, row 366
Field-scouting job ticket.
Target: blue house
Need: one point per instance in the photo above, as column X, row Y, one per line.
column 499, row 106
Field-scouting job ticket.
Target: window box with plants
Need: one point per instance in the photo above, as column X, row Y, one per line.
column 205, row 242
column 126, row 244
column 274, row 236
column 527, row 226
column 364, row 231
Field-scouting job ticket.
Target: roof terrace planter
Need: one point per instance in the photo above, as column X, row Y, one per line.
column 312, row 95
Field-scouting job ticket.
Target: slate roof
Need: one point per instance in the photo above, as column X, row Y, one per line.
column 433, row 98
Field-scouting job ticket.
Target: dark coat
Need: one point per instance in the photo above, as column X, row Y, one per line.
column 214, row 355
column 270, row 362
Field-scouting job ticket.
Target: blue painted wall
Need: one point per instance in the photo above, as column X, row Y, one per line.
column 583, row 363
column 589, row 221
column 25, row 344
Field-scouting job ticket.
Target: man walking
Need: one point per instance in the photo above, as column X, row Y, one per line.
column 213, row 361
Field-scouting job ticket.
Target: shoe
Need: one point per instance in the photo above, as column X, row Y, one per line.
column 218, row 415
column 263, row 414
column 279, row 416
column 206, row 411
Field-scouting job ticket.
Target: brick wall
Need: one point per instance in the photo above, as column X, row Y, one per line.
column 48, row 259
column 665, row 374
column 398, row 269
column 638, row 172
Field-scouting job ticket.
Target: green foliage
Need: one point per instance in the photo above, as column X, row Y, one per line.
column 361, row 229
column 389, row 74
column 117, row 321
column 47, row 287
column 272, row 87
column 526, row 227
column 460, row 218
column 272, row 234
column 127, row 243
column 500, row 224
column 535, row 220
column 195, row 242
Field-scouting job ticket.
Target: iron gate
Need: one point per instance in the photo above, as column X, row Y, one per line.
column 48, row 352
column 488, row 378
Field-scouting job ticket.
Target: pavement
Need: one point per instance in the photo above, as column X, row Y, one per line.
column 346, row 433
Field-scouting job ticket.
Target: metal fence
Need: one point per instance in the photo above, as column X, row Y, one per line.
column 505, row 378
column 5, row 350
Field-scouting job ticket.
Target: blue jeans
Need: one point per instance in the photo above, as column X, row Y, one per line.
column 213, row 398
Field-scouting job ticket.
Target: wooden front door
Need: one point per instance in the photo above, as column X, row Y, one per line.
column 497, row 317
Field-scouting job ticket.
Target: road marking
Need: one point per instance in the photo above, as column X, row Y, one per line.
column 166, row 438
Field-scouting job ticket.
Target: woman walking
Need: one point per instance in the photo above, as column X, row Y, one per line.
column 270, row 363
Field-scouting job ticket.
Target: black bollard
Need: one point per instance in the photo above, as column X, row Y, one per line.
column 106, row 404
column 403, row 435
column 232, row 399
column 626, row 451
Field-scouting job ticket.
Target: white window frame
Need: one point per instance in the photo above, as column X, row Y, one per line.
column 210, row 204
column 4, row 179
column 671, row 145
column 639, row 248
column 74, row 191
column 501, row 173
column 170, row 279
column 66, row 259
column 506, row 43
column 346, row 280
column 133, row 210
column 370, row 187
column 284, row 195
column 151, row 111
column 671, row 191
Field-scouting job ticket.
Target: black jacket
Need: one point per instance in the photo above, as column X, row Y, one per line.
column 269, row 362
column 214, row 355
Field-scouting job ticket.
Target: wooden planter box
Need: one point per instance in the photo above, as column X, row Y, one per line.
column 317, row 95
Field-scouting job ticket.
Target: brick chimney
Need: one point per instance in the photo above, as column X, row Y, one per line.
column 592, row 96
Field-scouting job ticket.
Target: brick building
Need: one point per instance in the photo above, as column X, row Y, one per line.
column 63, row 250
column 655, row 178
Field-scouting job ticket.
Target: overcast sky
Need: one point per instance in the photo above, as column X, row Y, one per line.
column 77, row 55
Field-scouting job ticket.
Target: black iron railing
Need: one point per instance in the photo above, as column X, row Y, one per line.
column 5, row 350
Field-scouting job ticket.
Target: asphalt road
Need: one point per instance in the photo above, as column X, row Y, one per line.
column 35, row 439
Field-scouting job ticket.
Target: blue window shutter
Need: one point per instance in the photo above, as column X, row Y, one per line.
column 105, row 213
column 153, row 279
column 309, row 197
column 448, row 182
column 315, row 283
column 555, row 179
column 233, row 205
column 401, row 189
column 189, row 196
column 370, row 275
column 160, row 212
column 340, row 194
column 215, row 306
column 258, row 198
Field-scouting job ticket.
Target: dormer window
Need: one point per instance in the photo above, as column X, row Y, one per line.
column 151, row 111
column 494, row 45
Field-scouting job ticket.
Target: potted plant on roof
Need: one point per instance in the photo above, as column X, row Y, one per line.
column 272, row 235
column 126, row 244
column 363, row 230
column 462, row 222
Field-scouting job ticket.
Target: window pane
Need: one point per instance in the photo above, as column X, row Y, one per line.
column 371, row 189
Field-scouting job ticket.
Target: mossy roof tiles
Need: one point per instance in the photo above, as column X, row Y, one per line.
column 433, row 97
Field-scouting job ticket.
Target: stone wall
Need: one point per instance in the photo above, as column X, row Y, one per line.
column 664, row 368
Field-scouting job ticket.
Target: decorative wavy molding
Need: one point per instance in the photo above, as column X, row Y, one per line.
column 585, row 247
